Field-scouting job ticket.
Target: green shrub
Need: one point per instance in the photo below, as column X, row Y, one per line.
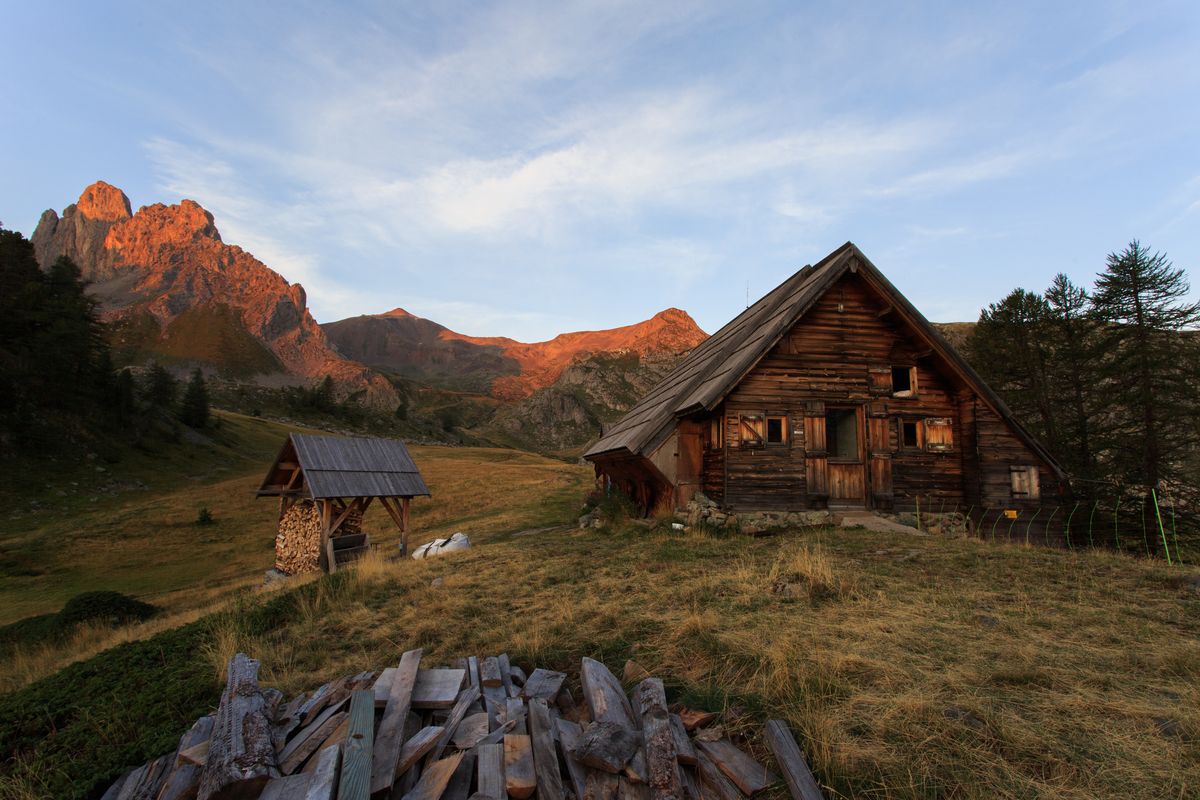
column 113, row 607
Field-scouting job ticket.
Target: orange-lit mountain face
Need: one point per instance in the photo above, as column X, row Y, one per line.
column 418, row 348
column 175, row 291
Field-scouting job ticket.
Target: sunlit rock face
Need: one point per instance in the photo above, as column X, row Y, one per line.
column 166, row 268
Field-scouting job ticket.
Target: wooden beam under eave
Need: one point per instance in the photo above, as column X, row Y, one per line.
column 883, row 313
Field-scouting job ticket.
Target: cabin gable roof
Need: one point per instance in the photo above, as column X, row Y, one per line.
column 715, row 367
column 347, row 466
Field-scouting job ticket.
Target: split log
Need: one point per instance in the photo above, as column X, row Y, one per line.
column 545, row 756
column 799, row 777
column 606, row 746
column 568, row 737
column 183, row 782
column 749, row 776
column 389, row 738
column 490, row 760
column 149, row 781
column 287, row 787
column 713, row 783
column 601, row 786
column 520, row 779
column 434, row 779
column 506, row 675
column 693, row 719
column 543, row 683
column 325, row 727
column 685, row 751
column 325, row 776
column 466, row 699
column 416, row 747
column 661, row 758
column 517, row 675
column 459, row 787
column 357, row 758
column 489, row 672
column 515, row 711
column 605, row 697
column 241, row 758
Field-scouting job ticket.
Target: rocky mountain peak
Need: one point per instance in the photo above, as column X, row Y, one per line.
column 104, row 202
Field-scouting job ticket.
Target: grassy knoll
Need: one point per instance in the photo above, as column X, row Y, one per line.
column 142, row 538
column 911, row 667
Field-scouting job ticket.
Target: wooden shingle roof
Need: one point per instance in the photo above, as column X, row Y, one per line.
column 707, row 374
column 349, row 466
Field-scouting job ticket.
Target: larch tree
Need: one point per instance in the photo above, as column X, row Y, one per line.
column 1151, row 368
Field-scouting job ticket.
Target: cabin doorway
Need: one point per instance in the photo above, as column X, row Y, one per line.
column 847, row 467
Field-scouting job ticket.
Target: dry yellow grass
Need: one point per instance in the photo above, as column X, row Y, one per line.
column 910, row 668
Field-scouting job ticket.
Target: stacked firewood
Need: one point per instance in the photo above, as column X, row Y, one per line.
column 482, row 729
column 298, row 543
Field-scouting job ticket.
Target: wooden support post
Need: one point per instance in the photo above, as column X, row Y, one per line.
column 404, row 503
column 329, row 563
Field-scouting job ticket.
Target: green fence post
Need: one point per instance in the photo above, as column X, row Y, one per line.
column 1161, row 530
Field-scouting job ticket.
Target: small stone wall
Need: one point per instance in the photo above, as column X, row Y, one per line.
column 703, row 512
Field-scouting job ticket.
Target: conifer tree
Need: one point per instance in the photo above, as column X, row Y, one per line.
column 1151, row 367
column 1074, row 376
column 193, row 410
column 161, row 387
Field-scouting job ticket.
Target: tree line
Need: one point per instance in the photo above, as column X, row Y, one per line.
column 57, row 380
column 1107, row 377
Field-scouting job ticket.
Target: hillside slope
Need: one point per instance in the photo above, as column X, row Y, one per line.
column 174, row 291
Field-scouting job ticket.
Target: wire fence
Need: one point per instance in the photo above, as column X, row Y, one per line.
column 1146, row 525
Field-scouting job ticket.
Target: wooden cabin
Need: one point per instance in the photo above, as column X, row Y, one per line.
column 832, row 391
column 325, row 484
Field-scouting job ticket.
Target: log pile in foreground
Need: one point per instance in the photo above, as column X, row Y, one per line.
column 482, row 729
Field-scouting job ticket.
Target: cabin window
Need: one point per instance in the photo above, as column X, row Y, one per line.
column 751, row 430
column 776, row 430
column 910, row 434
column 939, row 434
column 716, row 433
column 1024, row 482
column 841, row 433
column 904, row 381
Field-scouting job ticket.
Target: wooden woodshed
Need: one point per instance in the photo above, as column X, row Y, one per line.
column 325, row 484
column 830, row 391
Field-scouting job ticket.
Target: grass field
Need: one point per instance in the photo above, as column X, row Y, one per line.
column 910, row 666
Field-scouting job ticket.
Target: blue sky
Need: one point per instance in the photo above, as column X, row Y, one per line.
column 524, row 169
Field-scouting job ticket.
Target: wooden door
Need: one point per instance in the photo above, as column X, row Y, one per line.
column 689, row 461
column 816, row 461
column 847, row 468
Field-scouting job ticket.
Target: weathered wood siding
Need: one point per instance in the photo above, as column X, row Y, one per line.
column 840, row 354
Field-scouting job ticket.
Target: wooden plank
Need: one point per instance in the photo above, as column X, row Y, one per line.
column 545, row 755
column 383, row 686
column 242, row 756
column 604, row 695
column 468, row 733
column 543, row 683
column 515, row 711
column 325, row 776
column 390, row 737
column 685, row 751
column 568, row 737
column 520, row 779
column 357, row 757
column 310, row 744
column 434, row 779
column 517, row 675
column 489, row 672
column 437, row 688
column 466, row 699
column 506, row 675
column 459, row 787
column 495, row 703
column 338, row 737
column 490, row 760
column 799, row 777
column 632, row 790
column 746, row 773
column 197, row 755
column 315, row 731
column 417, row 747
column 661, row 759
column 713, row 783
column 287, row 787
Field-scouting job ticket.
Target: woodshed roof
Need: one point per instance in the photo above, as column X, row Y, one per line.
column 709, row 372
column 346, row 466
